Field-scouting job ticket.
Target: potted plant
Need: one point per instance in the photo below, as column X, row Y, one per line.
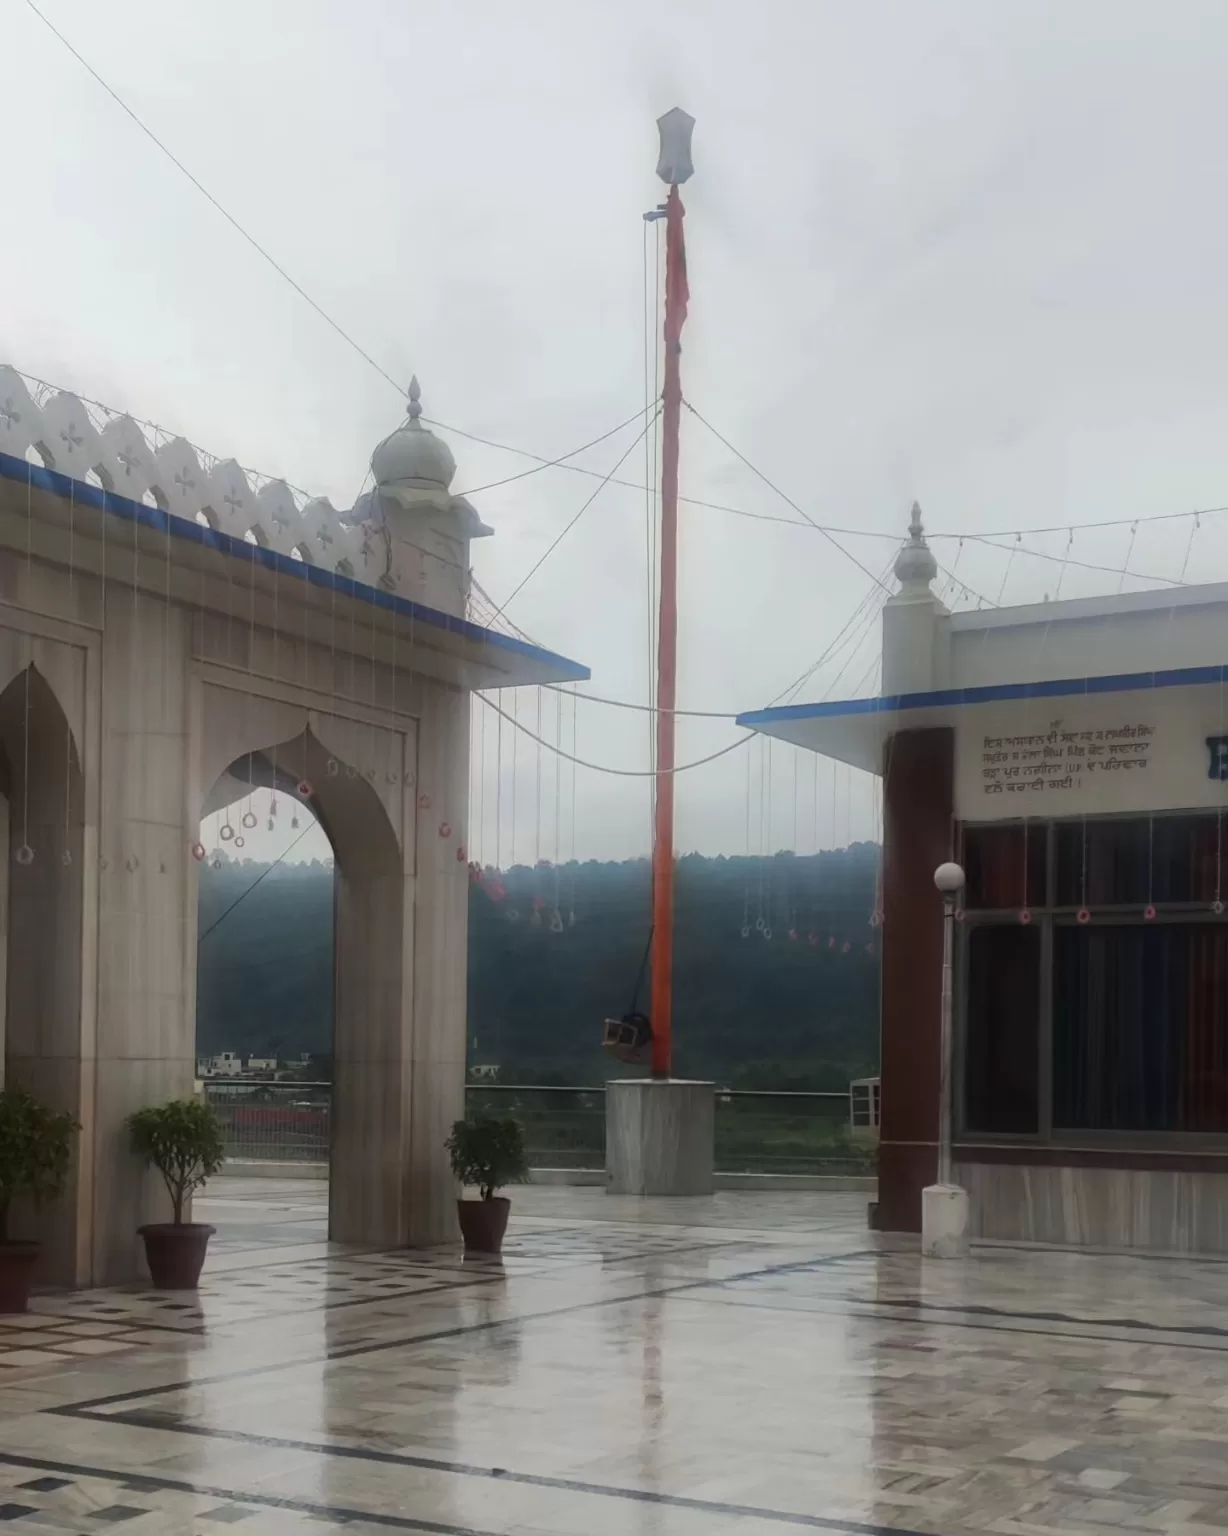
column 486, row 1154
column 35, row 1151
column 183, row 1141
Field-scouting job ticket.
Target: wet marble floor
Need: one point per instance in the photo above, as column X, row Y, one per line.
column 749, row 1364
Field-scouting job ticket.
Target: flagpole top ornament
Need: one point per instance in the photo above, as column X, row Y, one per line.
column 674, row 166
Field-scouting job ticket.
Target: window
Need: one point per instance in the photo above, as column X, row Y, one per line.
column 1152, row 859
column 1140, row 1027
column 1001, row 1056
column 1127, row 1003
column 1005, row 865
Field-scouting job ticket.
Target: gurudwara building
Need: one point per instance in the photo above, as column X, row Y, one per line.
column 173, row 630
column 1073, row 758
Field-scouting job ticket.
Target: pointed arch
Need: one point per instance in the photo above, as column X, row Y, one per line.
column 358, row 797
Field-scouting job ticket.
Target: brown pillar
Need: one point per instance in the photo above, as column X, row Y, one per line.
column 917, row 822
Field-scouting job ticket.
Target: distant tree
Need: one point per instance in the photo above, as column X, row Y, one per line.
column 796, row 1010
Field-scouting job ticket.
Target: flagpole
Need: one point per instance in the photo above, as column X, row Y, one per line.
column 674, row 167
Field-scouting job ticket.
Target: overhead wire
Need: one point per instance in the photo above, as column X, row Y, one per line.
column 989, row 540
column 205, row 193
column 268, row 870
column 772, row 486
column 554, row 544
column 621, row 773
column 561, row 461
column 543, row 463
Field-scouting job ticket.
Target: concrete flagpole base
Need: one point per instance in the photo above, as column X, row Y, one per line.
column 659, row 1137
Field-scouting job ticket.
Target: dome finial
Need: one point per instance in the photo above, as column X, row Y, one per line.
column 915, row 566
column 413, row 456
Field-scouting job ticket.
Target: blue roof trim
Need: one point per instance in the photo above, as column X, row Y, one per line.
column 1056, row 688
column 225, row 544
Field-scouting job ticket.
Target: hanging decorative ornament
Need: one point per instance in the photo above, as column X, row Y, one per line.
column 813, row 941
column 556, row 921
column 240, row 841
column 831, row 941
column 870, row 947
column 25, row 855
column 249, row 819
column 746, row 930
column 424, row 802
column 513, row 915
column 792, row 935
column 217, row 864
column 759, row 925
column 1218, row 908
column 226, row 833
column 461, row 855
column 445, row 829
column 767, row 931
column 132, row 864
column 304, row 789
column 1025, row 916
column 269, row 825
column 333, row 768
column 1083, row 915
column 393, row 778
column 845, row 947
column 876, row 919
column 294, row 822
column 350, row 771
column 1149, row 913
column 66, row 858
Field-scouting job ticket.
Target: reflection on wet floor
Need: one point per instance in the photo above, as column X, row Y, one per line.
column 744, row 1364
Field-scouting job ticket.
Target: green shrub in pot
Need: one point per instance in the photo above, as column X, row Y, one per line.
column 487, row 1154
column 183, row 1141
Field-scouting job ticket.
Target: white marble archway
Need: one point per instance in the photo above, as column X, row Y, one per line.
column 358, row 778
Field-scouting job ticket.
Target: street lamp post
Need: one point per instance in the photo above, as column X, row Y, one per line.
column 944, row 1205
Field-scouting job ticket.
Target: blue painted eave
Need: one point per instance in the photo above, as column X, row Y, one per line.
column 992, row 693
column 136, row 512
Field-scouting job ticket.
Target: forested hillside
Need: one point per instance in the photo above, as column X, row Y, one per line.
column 798, row 1009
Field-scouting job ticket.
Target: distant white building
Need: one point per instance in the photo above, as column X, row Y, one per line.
column 485, row 1073
column 224, row 1064
column 262, row 1063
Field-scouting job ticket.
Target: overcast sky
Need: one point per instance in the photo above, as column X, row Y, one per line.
column 971, row 253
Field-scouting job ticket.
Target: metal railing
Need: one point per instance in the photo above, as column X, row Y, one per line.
column 272, row 1122
column 756, row 1131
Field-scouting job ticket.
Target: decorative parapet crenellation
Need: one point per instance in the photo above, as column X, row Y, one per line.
column 426, row 559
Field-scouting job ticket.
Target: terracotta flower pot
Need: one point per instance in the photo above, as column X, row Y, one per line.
column 176, row 1255
column 17, row 1261
column 483, row 1223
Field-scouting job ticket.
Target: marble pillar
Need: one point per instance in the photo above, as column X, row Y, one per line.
column 440, row 945
column 917, row 825
column 659, row 1137
column 145, row 1049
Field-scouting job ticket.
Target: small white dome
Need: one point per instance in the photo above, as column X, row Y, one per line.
column 915, row 565
column 412, row 455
